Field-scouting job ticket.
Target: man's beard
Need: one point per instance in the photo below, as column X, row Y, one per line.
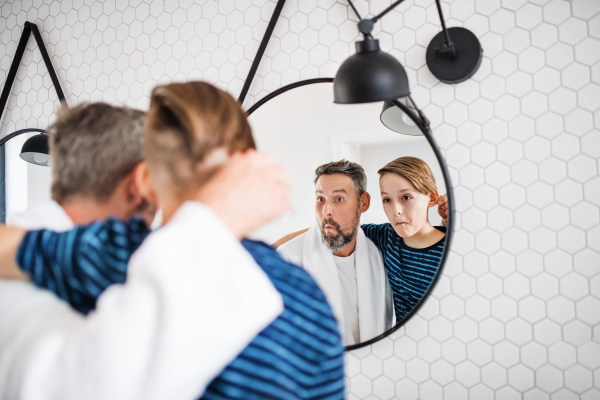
column 335, row 243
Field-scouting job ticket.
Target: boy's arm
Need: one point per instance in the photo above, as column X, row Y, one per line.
column 10, row 238
column 288, row 237
column 78, row 265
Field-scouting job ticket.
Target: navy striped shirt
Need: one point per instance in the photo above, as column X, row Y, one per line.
column 298, row 356
column 410, row 271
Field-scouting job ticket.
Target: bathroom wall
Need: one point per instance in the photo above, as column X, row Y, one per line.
column 517, row 312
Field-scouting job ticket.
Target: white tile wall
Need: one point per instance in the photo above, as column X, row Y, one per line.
column 517, row 313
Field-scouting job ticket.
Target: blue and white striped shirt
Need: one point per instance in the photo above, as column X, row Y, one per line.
column 410, row 271
column 298, row 356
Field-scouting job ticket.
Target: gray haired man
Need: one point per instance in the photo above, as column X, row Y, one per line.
column 344, row 262
column 94, row 150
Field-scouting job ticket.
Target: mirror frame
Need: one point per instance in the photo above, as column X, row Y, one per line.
column 424, row 127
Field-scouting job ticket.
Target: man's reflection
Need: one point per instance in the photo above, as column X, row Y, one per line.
column 344, row 262
column 410, row 246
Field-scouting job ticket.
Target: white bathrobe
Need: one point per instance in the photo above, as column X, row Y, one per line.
column 193, row 300
column 375, row 301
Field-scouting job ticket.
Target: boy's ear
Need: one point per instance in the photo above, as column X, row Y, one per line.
column 365, row 202
column 144, row 184
column 433, row 199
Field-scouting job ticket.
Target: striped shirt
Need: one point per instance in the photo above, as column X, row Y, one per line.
column 410, row 271
column 298, row 356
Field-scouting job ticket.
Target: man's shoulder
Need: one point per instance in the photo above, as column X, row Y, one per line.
column 293, row 246
column 277, row 268
column 266, row 256
column 47, row 214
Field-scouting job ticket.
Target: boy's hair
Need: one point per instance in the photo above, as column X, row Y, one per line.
column 92, row 148
column 353, row 170
column 414, row 170
column 185, row 122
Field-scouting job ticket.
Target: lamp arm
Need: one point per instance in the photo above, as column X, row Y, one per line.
column 20, row 132
column 387, row 10
column 365, row 26
column 449, row 50
column 446, row 35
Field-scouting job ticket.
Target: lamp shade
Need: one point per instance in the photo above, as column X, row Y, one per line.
column 397, row 120
column 369, row 75
column 36, row 150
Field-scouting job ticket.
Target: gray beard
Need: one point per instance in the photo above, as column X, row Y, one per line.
column 335, row 243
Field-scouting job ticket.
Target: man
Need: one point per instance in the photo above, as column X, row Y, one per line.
column 94, row 150
column 343, row 261
column 141, row 342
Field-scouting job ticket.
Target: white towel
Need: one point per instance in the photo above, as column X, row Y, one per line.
column 375, row 302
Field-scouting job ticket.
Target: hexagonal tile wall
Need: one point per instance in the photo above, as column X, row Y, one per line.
column 519, row 316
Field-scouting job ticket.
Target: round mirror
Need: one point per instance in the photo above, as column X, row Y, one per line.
column 366, row 222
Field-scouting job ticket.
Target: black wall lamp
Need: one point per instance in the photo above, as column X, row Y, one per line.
column 456, row 59
column 35, row 150
column 370, row 75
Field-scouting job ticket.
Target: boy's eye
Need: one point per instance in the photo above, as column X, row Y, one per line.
column 406, row 197
column 386, row 200
column 320, row 199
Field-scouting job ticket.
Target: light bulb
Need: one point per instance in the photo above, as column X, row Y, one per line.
column 407, row 120
column 40, row 158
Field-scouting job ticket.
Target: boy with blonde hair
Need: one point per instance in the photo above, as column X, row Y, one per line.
column 411, row 247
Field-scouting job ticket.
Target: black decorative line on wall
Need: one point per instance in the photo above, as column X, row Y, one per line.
column 261, row 50
column 28, row 28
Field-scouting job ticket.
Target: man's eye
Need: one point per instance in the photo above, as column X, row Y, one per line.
column 320, row 199
column 340, row 199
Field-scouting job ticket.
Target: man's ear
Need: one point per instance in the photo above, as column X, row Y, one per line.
column 433, row 199
column 365, row 202
column 143, row 183
column 132, row 194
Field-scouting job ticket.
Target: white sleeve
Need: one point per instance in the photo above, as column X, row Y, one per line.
column 193, row 300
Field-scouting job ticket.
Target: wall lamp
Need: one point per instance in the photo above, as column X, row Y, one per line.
column 35, row 150
column 370, row 75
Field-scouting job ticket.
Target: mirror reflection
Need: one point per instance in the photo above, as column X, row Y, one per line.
column 368, row 213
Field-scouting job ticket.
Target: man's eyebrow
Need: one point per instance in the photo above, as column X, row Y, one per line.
column 335, row 191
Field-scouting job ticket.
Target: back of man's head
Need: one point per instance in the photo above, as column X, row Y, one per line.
column 92, row 148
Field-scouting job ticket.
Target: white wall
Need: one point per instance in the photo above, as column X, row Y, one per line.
column 16, row 187
column 517, row 312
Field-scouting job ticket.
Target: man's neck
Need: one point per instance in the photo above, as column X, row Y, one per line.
column 84, row 211
column 348, row 248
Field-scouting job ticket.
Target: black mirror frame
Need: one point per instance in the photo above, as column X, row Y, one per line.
column 446, row 174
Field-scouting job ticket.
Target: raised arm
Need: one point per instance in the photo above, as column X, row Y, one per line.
column 10, row 238
column 288, row 237
column 80, row 264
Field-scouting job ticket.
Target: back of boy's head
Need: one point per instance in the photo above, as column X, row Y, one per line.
column 414, row 170
column 92, row 148
column 185, row 122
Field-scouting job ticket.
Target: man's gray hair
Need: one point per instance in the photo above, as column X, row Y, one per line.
column 92, row 148
column 348, row 168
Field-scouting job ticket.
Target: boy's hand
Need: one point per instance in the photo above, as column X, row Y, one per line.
column 247, row 192
column 443, row 209
column 10, row 239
